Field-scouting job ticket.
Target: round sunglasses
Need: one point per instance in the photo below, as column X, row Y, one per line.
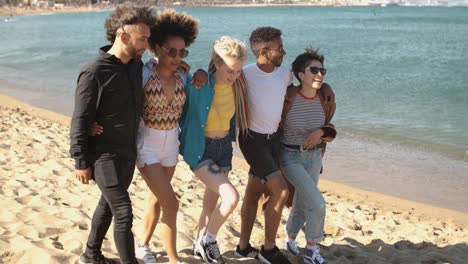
column 172, row 52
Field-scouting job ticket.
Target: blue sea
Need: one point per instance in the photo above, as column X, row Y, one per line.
column 400, row 75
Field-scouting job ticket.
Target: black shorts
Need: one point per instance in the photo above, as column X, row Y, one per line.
column 261, row 151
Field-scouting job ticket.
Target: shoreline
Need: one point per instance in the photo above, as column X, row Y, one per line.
column 357, row 195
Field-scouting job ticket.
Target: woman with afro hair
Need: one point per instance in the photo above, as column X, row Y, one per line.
column 157, row 141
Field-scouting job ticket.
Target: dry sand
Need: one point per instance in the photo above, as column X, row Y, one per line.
column 45, row 215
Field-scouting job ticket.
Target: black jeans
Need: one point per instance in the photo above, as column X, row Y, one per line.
column 113, row 176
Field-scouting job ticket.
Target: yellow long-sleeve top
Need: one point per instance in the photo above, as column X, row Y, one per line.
column 222, row 108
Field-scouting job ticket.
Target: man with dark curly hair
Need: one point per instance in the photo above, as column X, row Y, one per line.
column 267, row 82
column 109, row 91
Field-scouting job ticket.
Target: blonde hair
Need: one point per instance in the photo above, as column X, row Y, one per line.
column 230, row 48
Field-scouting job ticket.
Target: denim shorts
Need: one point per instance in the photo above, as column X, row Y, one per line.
column 217, row 155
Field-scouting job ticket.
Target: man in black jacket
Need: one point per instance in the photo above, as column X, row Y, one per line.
column 109, row 91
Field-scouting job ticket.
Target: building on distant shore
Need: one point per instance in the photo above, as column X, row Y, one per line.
column 58, row 4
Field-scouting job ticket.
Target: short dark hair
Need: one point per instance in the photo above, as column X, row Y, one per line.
column 301, row 61
column 128, row 15
column 173, row 24
column 262, row 35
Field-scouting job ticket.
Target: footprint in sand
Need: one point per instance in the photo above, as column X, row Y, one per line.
column 29, row 232
column 71, row 200
column 8, row 216
column 72, row 214
column 57, row 245
column 73, row 245
column 44, row 232
column 33, row 201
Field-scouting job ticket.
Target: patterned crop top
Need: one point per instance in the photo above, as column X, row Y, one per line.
column 158, row 112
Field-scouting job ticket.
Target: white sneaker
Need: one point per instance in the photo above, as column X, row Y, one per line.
column 292, row 247
column 144, row 253
column 196, row 250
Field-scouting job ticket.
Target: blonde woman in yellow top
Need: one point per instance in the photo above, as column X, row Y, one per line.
column 208, row 127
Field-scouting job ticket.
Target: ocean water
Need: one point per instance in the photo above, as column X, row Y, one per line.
column 400, row 74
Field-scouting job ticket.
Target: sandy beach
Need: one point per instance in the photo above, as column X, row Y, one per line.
column 46, row 212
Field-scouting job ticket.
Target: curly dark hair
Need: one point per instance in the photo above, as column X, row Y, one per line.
column 262, row 35
column 301, row 61
column 173, row 24
column 128, row 15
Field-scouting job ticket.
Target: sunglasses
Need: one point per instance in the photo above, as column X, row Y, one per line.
column 172, row 52
column 316, row 70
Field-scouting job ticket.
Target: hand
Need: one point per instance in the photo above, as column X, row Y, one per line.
column 183, row 67
column 313, row 138
column 327, row 93
column 84, row 176
column 95, row 129
column 200, row 77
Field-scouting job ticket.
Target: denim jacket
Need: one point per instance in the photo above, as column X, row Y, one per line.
column 193, row 121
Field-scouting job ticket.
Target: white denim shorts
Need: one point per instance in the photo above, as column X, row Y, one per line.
column 157, row 146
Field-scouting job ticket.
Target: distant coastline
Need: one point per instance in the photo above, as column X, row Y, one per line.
column 5, row 11
column 21, row 11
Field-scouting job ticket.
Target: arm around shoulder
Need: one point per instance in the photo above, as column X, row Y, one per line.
column 327, row 93
column 329, row 106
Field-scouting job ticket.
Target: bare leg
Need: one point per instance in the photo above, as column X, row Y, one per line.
column 219, row 184
column 158, row 179
column 253, row 192
column 153, row 211
column 279, row 194
column 210, row 200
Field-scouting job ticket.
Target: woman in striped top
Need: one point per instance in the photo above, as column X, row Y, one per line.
column 305, row 129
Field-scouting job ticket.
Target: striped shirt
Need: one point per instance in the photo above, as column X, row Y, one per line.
column 305, row 116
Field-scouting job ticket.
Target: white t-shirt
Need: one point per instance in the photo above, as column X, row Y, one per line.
column 266, row 93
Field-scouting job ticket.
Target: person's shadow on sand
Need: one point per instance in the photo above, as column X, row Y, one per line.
column 402, row 252
column 376, row 252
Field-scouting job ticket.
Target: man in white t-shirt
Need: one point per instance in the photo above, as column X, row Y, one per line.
column 267, row 82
